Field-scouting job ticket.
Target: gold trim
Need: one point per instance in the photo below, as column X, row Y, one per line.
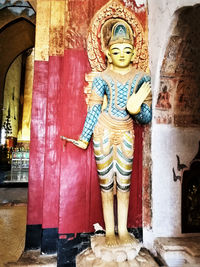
column 97, row 152
column 114, row 124
column 104, row 181
column 116, row 130
column 122, row 78
column 57, row 22
column 42, row 30
column 124, row 181
column 95, row 99
column 102, row 166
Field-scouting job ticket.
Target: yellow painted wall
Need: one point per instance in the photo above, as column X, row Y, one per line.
column 24, row 133
column 12, row 94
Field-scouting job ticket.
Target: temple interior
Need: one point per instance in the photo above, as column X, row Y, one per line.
column 17, row 61
column 49, row 195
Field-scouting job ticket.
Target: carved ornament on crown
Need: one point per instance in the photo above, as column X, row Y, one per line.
column 114, row 9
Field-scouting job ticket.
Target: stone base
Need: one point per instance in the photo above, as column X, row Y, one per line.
column 122, row 255
column 178, row 251
column 118, row 253
column 88, row 258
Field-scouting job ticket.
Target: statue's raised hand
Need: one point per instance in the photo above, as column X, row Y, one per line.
column 136, row 99
column 79, row 143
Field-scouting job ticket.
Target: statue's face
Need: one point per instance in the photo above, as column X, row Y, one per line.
column 121, row 54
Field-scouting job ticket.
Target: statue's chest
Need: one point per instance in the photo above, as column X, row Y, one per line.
column 120, row 94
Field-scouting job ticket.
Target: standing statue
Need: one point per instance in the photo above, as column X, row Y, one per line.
column 128, row 94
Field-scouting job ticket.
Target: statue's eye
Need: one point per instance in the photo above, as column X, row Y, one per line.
column 128, row 52
column 115, row 53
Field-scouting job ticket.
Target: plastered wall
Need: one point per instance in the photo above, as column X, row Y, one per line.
column 168, row 139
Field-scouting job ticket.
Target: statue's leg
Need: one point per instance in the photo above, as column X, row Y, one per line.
column 108, row 214
column 124, row 163
column 105, row 168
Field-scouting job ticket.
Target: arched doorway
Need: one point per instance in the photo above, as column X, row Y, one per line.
column 17, row 36
column 177, row 113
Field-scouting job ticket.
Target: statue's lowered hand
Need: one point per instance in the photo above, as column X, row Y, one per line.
column 78, row 143
column 136, row 99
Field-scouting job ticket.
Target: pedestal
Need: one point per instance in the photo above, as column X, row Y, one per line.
column 123, row 255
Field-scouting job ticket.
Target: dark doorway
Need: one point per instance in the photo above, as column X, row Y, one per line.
column 191, row 197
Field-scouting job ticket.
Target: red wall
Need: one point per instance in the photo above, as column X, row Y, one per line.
column 79, row 191
column 51, row 183
column 37, row 145
column 63, row 183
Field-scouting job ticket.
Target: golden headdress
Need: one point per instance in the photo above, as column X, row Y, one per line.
column 116, row 31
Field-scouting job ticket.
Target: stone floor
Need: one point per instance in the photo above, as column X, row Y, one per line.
column 174, row 252
column 33, row 258
column 12, row 223
column 12, row 232
column 13, row 213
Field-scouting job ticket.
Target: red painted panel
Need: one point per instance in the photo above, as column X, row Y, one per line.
column 80, row 201
column 52, row 148
column 135, row 202
column 37, row 144
column 78, row 180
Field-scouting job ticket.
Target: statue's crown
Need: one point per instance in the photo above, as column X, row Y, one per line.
column 121, row 33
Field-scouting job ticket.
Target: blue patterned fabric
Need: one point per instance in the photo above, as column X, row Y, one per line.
column 99, row 86
column 117, row 106
column 145, row 115
column 90, row 122
column 121, row 96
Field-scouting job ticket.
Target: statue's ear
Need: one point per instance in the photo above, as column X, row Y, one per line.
column 108, row 56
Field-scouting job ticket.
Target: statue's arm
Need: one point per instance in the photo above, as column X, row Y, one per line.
column 139, row 104
column 90, row 122
column 95, row 104
column 145, row 114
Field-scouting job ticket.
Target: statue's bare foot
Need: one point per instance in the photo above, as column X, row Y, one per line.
column 111, row 240
column 126, row 238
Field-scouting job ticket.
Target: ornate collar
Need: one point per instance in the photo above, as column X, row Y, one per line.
column 122, row 78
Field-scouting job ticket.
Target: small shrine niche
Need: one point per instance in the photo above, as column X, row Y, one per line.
column 191, row 197
column 178, row 98
column 177, row 125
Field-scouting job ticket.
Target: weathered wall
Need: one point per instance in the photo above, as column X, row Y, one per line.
column 170, row 137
